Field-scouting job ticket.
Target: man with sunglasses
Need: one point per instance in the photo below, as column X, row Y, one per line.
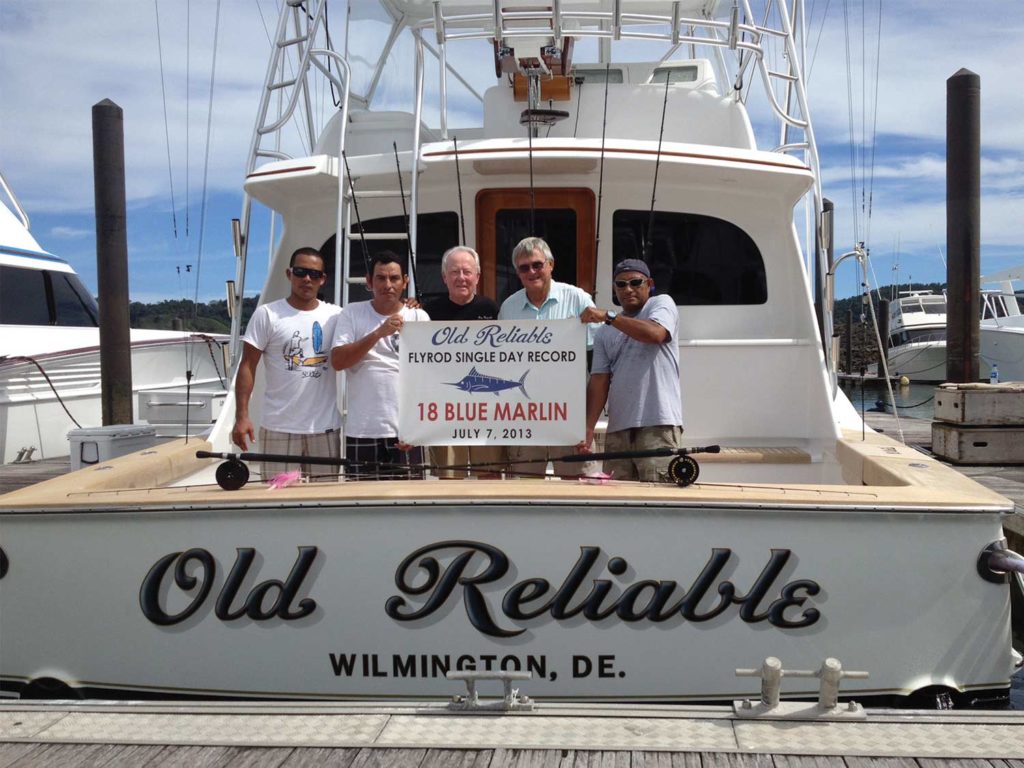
column 542, row 298
column 300, row 404
column 636, row 372
column 366, row 345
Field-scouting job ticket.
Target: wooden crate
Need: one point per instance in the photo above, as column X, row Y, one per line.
column 962, row 444
column 980, row 407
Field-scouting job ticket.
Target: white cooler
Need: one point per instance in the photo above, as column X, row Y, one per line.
column 95, row 444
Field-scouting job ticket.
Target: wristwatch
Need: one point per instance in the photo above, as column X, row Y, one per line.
column 609, row 316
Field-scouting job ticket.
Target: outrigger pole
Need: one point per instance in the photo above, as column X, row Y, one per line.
column 232, row 474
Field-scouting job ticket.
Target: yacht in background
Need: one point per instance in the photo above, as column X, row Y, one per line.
column 1002, row 324
column 917, row 331
column 50, row 357
column 917, row 336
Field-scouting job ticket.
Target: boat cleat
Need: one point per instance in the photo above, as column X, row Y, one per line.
column 471, row 702
column 827, row 707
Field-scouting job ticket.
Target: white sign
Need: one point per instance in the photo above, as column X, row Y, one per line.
column 500, row 382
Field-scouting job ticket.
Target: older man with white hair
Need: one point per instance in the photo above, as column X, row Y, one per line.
column 542, row 298
column 460, row 271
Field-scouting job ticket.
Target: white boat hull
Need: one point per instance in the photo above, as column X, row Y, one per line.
column 34, row 423
column 921, row 362
column 357, row 591
column 1003, row 346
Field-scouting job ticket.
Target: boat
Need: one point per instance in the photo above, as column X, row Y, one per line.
column 917, row 331
column 1002, row 324
column 50, row 358
column 806, row 536
column 917, row 336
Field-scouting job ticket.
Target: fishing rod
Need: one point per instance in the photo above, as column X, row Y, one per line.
column 683, row 470
column 600, row 178
column 405, row 215
column 359, row 222
column 458, row 181
column 648, row 241
column 233, row 473
column 533, row 192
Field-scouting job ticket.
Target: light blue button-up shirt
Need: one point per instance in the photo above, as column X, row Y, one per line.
column 564, row 302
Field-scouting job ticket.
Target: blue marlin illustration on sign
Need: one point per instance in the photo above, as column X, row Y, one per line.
column 474, row 381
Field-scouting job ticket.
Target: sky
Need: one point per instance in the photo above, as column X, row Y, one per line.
column 61, row 57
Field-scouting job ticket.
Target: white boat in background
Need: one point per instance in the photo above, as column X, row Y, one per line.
column 917, row 336
column 917, row 331
column 808, row 536
column 1002, row 324
column 50, row 359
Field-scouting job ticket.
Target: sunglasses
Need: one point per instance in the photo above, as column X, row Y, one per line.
column 301, row 272
column 531, row 266
column 636, row 282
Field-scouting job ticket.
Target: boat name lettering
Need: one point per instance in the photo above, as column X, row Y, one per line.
column 492, row 335
column 3, row 563
column 643, row 600
column 197, row 568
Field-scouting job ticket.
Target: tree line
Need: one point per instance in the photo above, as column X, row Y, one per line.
column 186, row 315
column 212, row 317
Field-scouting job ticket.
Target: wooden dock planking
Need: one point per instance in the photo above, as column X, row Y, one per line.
column 158, row 756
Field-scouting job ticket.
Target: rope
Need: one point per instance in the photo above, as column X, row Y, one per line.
column 167, row 130
column 188, row 104
column 905, row 407
column 53, row 387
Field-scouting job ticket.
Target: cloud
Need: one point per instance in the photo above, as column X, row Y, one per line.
column 70, row 233
column 59, row 58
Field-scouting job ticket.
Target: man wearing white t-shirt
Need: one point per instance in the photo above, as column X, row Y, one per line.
column 366, row 345
column 300, row 402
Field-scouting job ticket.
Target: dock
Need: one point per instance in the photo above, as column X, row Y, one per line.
column 554, row 735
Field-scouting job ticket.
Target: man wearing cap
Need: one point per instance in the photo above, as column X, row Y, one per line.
column 636, row 372
column 542, row 298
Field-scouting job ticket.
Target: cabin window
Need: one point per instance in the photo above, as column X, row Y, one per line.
column 684, row 74
column 698, row 260
column 23, row 298
column 436, row 233
column 72, row 304
column 599, row 75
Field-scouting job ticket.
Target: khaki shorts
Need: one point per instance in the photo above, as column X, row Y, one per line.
column 451, row 461
column 653, row 470
column 323, row 444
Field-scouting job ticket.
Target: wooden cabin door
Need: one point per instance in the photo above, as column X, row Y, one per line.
column 564, row 218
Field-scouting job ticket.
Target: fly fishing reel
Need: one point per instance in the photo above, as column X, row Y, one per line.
column 683, row 470
column 232, row 474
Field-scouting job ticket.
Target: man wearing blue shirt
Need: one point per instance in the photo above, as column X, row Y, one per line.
column 542, row 298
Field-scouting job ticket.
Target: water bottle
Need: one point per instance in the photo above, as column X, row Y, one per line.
column 993, row 376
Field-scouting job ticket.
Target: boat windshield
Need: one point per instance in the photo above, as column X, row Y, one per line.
column 45, row 297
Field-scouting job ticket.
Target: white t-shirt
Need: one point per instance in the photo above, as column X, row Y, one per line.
column 300, row 395
column 372, row 384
